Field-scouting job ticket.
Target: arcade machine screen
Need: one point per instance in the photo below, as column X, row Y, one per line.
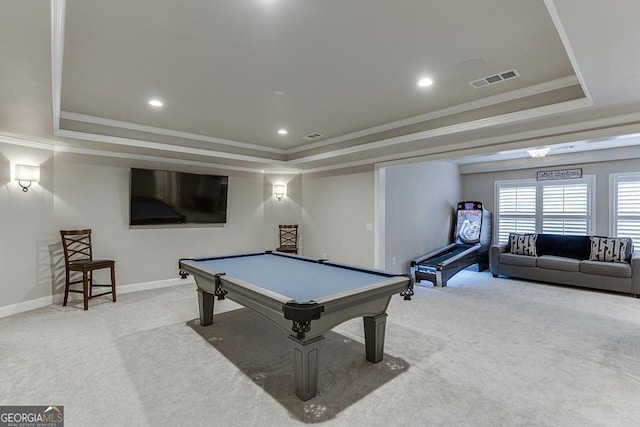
column 469, row 222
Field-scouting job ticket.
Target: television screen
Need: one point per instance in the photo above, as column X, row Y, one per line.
column 167, row 197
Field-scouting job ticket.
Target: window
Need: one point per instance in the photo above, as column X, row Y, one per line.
column 626, row 206
column 516, row 210
column 558, row 207
column 565, row 209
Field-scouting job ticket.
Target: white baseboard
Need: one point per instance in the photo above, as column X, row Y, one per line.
column 57, row 298
column 144, row 286
column 25, row 306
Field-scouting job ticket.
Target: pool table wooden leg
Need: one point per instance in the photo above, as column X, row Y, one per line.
column 205, row 304
column 374, row 328
column 306, row 356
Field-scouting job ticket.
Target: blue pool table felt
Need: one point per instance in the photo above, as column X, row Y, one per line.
column 300, row 280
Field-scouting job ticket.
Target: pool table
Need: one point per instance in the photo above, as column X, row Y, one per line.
column 304, row 297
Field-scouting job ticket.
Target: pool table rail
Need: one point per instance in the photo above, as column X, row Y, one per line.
column 368, row 300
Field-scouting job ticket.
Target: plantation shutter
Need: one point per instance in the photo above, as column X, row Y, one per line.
column 517, row 210
column 565, row 209
column 627, row 214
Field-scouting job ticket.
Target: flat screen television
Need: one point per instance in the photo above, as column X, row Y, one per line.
column 167, row 197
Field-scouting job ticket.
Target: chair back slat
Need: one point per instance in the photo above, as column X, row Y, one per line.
column 288, row 235
column 76, row 245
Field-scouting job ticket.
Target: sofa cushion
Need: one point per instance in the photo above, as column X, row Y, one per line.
column 522, row 244
column 602, row 268
column 515, row 259
column 570, row 246
column 558, row 263
column 610, row 249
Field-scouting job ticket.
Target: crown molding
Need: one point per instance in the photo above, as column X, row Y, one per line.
column 27, row 143
column 502, row 119
column 552, row 135
column 564, row 38
column 560, row 83
column 57, row 56
column 164, row 147
column 156, row 159
column 161, row 131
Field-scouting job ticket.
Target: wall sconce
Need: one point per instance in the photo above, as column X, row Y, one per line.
column 538, row 152
column 279, row 190
column 26, row 173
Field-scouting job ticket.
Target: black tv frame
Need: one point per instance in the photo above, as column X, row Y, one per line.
column 164, row 197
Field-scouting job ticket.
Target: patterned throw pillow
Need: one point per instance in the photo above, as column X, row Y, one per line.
column 608, row 249
column 522, row 244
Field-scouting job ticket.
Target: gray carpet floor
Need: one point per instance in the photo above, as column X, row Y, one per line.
column 480, row 352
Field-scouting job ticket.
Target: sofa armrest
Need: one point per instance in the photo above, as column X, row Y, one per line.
column 494, row 257
column 635, row 274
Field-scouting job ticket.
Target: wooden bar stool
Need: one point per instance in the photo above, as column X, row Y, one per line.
column 78, row 256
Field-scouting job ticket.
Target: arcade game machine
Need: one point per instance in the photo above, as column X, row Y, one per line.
column 472, row 241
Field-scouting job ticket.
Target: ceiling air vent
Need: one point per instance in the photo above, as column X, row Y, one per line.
column 495, row 78
column 312, row 136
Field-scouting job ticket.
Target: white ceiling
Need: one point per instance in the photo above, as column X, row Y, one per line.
column 348, row 70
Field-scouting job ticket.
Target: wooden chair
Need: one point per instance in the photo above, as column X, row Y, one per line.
column 78, row 257
column 288, row 238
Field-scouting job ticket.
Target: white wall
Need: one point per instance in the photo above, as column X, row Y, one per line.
column 337, row 206
column 285, row 211
column 418, row 208
column 334, row 209
column 26, row 227
column 92, row 194
column 481, row 185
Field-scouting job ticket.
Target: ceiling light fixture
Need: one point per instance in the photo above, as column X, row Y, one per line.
column 155, row 103
column 538, row 152
column 424, row 82
column 283, row 132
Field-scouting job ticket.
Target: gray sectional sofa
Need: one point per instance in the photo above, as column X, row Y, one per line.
column 585, row 261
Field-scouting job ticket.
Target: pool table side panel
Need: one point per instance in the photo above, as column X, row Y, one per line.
column 340, row 308
column 334, row 318
column 264, row 305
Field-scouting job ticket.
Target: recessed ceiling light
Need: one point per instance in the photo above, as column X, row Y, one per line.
column 424, row 82
column 155, row 103
column 538, row 152
column 283, row 132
